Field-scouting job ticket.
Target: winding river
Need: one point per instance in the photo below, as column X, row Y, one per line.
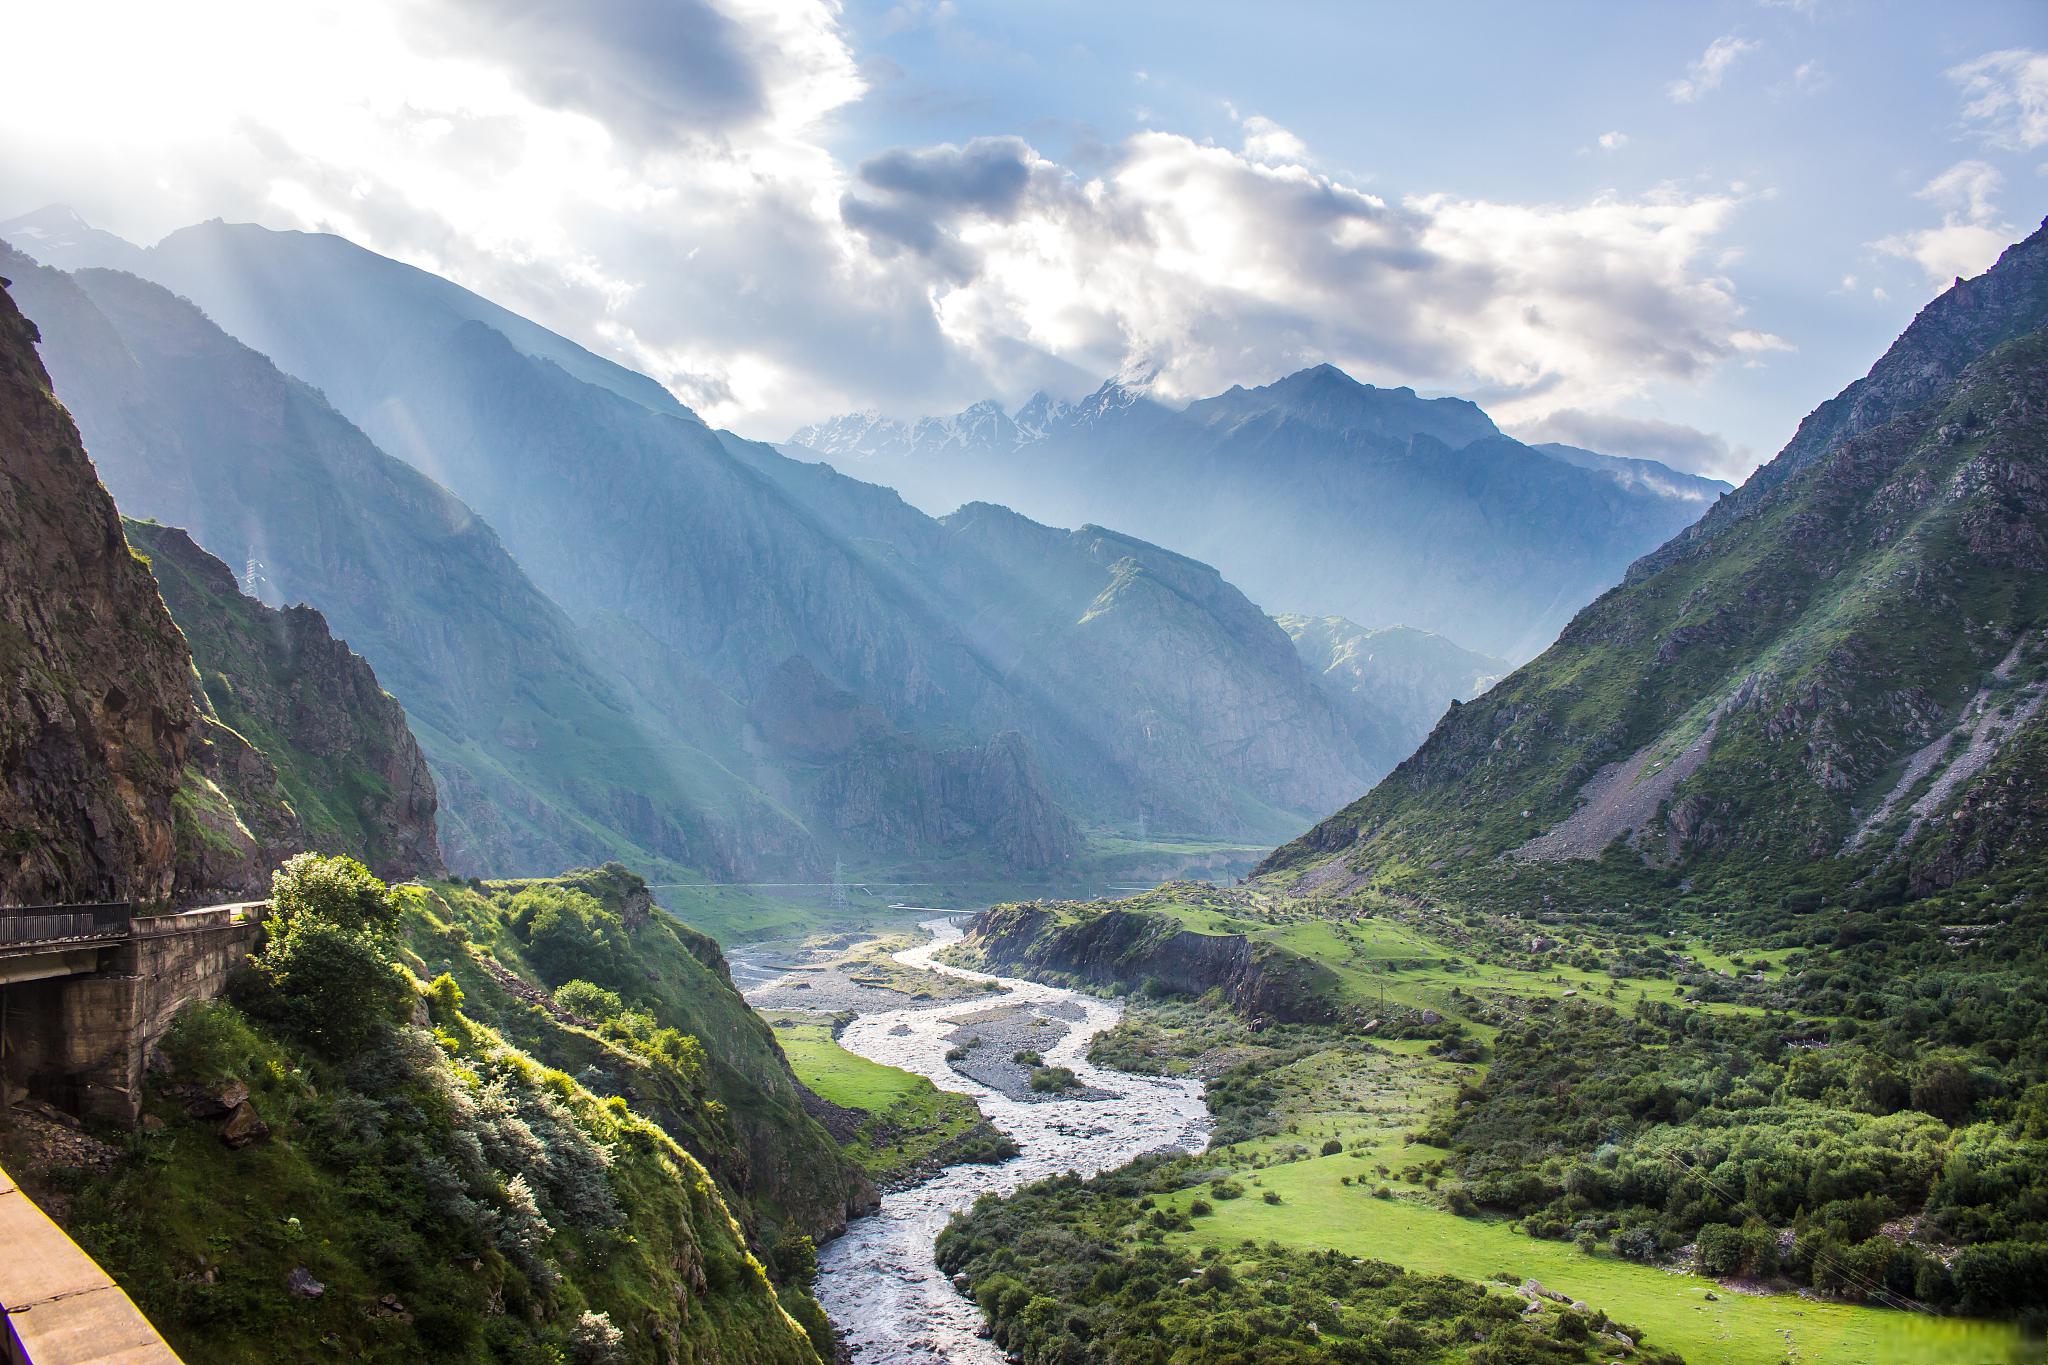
column 879, row 1282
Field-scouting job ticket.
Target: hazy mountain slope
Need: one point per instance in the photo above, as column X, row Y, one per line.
column 1314, row 491
column 643, row 520
column 57, row 237
column 339, row 742
column 1850, row 659
column 658, row 535
column 1392, row 684
column 538, row 762
column 1168, row 690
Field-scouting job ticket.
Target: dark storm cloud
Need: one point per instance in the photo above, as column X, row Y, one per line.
column 988, row 176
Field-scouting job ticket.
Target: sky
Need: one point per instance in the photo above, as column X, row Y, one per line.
column 1656, row 230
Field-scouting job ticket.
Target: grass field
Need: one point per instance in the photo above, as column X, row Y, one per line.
column 907, row 1121
column 1372, row 1098
column 1317, row 1210
column 1384, row 964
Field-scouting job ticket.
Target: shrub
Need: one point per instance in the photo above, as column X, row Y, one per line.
column 594, row 1341
column 589, row 1000
column 1332, row 1147
column 1052, row 1079
column 795, row 1260
column 1749, row 1250
column 1027, row 1057
column 1636, row 1244
column 337, row 889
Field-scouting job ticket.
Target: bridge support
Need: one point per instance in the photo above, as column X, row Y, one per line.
column 77, row 1022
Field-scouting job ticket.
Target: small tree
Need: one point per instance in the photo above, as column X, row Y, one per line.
column 324, row 971
column 335, row 888
column 594, row 1341
column 795, row 1258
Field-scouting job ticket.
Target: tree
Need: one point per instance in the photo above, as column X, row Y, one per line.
column 324, row 971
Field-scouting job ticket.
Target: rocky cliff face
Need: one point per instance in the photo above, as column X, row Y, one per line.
column 1847, row 662
column 118, row 783
column 338, row 742
column 99, row 720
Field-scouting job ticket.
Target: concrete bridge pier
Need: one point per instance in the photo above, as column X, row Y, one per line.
column 83, row 1002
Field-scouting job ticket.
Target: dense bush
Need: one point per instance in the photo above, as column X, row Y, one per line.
column 1922, row 1099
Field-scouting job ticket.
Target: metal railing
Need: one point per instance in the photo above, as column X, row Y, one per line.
column 29, row 925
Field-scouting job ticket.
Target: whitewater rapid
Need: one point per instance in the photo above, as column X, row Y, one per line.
column 879, row 1282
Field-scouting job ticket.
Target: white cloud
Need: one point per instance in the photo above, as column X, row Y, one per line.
column 1198, row 265
column 1613, row 142
column 1644, row 438
column 1970, row 235
column 1265, row 140
column 2006, row 98
column 1711, row 69
column 689, row 218
column 1810, row 77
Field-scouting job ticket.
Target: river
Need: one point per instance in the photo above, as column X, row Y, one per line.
column 879, row 1282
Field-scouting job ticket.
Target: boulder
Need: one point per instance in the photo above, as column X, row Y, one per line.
column 244, row 1126
column 211, row 1101
column 302, row 1284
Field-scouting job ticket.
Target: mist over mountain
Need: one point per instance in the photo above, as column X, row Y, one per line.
column 1392, row 684
column 1315, row 494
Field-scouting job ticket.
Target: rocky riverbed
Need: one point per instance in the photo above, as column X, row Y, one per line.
column 879, row 1281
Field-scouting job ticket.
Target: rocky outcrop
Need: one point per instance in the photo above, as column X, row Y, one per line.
column 338, row 742
column 1135, row 949
column 99, row 731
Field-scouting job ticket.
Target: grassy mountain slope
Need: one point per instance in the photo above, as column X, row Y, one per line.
column 745, row 1118
column 436, row 1184
column 1805, row 686
column 339, row 743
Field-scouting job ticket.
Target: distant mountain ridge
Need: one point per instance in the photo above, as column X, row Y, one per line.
column 1314, row 493
column 1841, row 672
column 800, row 665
